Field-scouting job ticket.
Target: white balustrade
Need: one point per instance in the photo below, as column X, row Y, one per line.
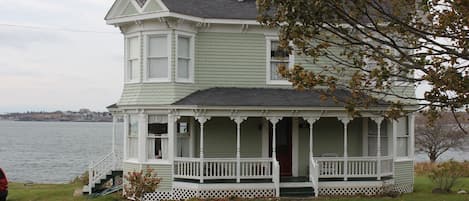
column 223, row 168
column 98, row 170
column 333, row 167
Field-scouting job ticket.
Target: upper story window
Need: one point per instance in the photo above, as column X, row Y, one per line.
column 403, row 137
column 275, row 58
column 158, row 61
column 132, row 71
column 185, row 58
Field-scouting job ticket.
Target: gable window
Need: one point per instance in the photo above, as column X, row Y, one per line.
column 132, row 71
column 185, row 58
column 275, row 58
column 158, row 60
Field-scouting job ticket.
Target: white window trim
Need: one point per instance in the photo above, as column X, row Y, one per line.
column 126, row 58
column 409, row 132
column 291, row 61
column 157, row 161
column 191, row 54
column 146, row 36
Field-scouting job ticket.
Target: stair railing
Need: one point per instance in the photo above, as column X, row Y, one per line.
column 276, row 177
column 314, row 175
column 98, row 170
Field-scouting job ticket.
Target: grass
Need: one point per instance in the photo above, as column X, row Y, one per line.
column 63, row 192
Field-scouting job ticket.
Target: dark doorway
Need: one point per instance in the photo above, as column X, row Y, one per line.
column 284, row 145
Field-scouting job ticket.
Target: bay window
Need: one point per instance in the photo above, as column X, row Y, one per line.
column 132, row 137
column 158, row 58
column 185, row 58
column 132, row 71
column 157, row 139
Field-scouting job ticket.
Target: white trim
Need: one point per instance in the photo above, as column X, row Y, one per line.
column 403, row 159
column 157, row 162
column 291, row 60
column 166, row 13
column 137, row 7
column 146, row 36
column 295, row 146
column 191, row 37
column 162, row 5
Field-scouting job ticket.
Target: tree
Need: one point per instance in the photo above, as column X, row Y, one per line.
column 382, row 46
column 439, row 137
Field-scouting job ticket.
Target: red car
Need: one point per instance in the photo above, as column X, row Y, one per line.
column 3, row 186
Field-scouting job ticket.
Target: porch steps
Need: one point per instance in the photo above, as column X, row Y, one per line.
column 297, row 192
column 99, row 185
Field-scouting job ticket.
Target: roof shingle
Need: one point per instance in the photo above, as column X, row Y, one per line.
column 217, row 9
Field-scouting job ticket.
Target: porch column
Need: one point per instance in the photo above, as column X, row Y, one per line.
column 172, row 138
column 202, row 120
column 378, row 121
column 142, row 136
column 191, row 137
column 274, row 121
column 114, row 130
column 311, row 121
column 345, row 121
column 394, row 139
column 411, row 135
column 126, row 136
column 238, row 121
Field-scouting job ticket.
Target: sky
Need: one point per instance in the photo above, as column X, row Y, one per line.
column 58, row 55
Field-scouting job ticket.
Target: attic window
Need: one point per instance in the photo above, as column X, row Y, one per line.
column 141, row 2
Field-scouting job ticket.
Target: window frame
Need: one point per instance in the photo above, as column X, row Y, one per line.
column 407, row 136
column 191, row 58
column 129, row 137
column 146, row 56
column 291, row 61
column 137, row 79
column 154, row 136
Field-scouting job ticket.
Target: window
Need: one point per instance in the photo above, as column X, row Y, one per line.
column 132, row 142
column 275, row 58
column 132, row 71
column 185, row 58
column 403, row 137
column 373, row 136
column 158, row 61
column 157, row 140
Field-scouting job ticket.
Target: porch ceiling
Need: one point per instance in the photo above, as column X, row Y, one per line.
column 264, row 97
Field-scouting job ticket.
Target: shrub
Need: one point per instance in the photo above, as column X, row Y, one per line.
column 140, row 183
column 445, row 175
column 423, row 169
column 82, row 179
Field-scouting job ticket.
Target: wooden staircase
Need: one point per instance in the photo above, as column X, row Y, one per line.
column 100, row 172
column 296, row 187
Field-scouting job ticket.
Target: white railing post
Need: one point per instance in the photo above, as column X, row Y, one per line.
column 345, row 121
column 202, row 120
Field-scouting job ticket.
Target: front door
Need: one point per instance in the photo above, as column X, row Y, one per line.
column 284, row 145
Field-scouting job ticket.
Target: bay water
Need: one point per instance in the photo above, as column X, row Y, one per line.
column 52, row 152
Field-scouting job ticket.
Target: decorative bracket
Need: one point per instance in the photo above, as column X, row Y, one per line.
column 274, row 120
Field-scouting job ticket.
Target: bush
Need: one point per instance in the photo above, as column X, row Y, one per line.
column 140, row 183
column 445, row 175
column 82, row 179
column 425, row 168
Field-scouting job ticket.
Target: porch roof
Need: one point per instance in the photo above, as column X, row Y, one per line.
column 270, row 97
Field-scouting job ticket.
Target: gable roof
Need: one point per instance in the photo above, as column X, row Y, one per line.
column 217, row 9
column 272, row 97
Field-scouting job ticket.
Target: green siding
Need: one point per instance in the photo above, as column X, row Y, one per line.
column 221, row 60
column 328, row 137
column 404, row 172
column 220, row 138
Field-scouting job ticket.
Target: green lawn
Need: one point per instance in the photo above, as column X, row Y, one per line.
column 63, row 192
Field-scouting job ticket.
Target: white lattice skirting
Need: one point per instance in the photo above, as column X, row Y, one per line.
column 183, row 191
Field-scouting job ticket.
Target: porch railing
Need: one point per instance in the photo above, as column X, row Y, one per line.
column 333, row 167
column 223, row 168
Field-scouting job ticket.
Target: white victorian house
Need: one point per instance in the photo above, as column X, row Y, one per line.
column 204, row 107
